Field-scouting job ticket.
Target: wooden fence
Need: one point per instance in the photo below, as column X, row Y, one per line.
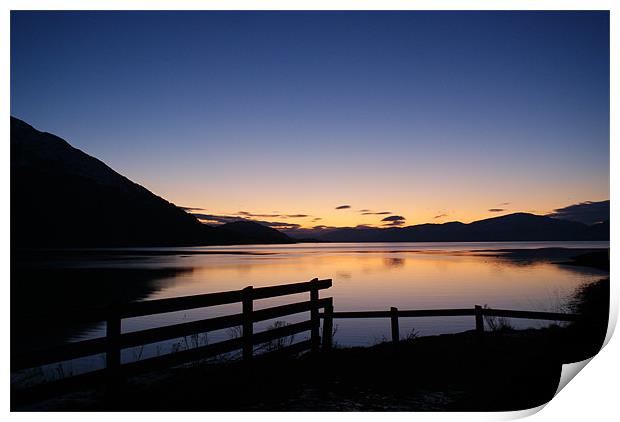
column 394, row 314
column 115, row 340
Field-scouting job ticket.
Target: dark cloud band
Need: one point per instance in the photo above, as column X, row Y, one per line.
column 585, row 212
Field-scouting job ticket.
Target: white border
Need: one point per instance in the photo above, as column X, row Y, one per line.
column 590, row 396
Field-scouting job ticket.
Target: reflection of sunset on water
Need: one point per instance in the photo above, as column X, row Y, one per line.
column 376, row 277
column 379, row 280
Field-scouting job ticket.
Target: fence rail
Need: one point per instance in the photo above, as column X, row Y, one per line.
column 394, row 314
column 115, row 340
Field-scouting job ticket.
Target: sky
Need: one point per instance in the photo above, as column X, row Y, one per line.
column 329, row 118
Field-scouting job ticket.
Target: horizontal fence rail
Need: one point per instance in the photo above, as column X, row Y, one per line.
column 394, row 314
column 551, row 316
column 408, row 313
column 115, row 340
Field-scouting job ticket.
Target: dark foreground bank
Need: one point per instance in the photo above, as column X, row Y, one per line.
column 501, row 370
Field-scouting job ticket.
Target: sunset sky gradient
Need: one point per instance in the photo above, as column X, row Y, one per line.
column 430, row 116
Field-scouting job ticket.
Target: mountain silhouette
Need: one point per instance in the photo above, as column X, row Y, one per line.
column 511, row 227
column 255, row 232
column 62, row 197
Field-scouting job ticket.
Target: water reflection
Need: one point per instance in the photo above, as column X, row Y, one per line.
column 365, row 277
column 38, row 293
column 394, row 262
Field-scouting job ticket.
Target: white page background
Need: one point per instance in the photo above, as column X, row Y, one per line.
column 592, row 395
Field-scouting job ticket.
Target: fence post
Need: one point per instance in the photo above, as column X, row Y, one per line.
column 479, row 319
column 113, row 354
column 328, row 325
column 314, row 316
column 395, row 329
column 247, row 321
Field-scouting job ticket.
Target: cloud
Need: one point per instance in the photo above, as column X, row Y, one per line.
column 188, row 209
column 217, row 219
column 496, row 209
column 440, row 216
column 368, row 212
column 249, row 214
column 277, row 224
column 343, row 207
column 588, row 212
column 503, row 204
column 223, row 219
column 394, row 218
column 317, row 219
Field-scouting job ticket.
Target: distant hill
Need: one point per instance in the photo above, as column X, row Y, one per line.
column 512, row 227
column 62, row 197
column 255, row 233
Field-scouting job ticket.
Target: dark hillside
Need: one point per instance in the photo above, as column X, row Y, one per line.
column 62, row 197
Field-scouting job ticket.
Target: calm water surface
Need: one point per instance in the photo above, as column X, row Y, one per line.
column 375, row 277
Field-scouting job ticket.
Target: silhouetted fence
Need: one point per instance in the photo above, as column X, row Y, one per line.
column 115, row 340
column 394, row 314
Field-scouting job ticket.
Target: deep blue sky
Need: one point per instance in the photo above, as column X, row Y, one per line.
column 419, row 113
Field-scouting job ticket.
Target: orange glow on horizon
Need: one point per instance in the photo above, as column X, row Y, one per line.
column 353, row 217
column 466, row 199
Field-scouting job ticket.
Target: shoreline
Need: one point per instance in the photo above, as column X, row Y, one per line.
column 255, row 250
